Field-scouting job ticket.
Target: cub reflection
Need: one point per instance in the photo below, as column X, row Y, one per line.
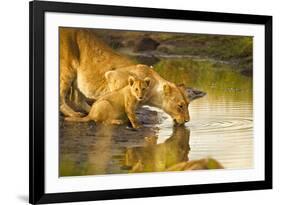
column 153, row 157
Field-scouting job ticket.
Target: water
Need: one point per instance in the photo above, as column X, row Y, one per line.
column 223, row 130
column 221, row 127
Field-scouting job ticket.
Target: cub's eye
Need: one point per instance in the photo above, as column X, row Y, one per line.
column 143, row 89
column 180, row 106
column 137, row 89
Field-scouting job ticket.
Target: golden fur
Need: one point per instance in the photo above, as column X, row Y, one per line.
column 158, row 157
column 84, row 61
column 171, row 155
column 163, row 94
column 119, row 105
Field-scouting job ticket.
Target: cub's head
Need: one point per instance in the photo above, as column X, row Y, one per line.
column 139, row 88
column 175, row 103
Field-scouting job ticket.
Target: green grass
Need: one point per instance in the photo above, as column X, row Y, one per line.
column 218, row 80
column 215, row 46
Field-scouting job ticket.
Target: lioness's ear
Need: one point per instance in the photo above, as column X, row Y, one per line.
column 107, row 75
column 181, row 85
column 131, row 80
column 147, row 81
column 166, row 89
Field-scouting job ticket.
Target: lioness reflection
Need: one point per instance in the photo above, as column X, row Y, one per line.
column 158, row 157
column 172, row 155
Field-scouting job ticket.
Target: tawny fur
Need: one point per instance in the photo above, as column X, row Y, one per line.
column 118, row 106
column 85, row 59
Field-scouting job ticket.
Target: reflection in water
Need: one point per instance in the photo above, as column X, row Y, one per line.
column 102, row 150
column 221, row 128
column 171, row 155
column 158, row 157
column 87, row 149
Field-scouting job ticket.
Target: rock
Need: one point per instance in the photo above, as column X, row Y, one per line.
column 147, row 116
column 146, row 44
column 194, row 93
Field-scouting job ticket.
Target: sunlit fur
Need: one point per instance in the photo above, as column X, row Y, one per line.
column 163, row 94
column 176, row 105
column 118, row 106
column 159, row 157
column 84, row 60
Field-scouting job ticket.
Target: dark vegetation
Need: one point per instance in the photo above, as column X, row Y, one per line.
column 146, row 47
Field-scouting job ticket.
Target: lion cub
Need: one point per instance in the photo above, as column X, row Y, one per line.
column 118, row 106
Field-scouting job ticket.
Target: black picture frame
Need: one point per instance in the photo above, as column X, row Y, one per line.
column 37, row 11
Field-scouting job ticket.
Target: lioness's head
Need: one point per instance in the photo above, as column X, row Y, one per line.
column 175, row 103
column 139, row 88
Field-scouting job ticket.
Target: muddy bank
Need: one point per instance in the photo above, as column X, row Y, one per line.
column 89, row 148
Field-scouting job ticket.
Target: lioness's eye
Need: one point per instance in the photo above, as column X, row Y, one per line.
column 143, row 89
column 137, row 89
column 180, row 106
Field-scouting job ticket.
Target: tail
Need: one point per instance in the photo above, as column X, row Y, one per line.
column 78, row 119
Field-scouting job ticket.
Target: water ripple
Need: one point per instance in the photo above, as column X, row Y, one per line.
column 223, row 124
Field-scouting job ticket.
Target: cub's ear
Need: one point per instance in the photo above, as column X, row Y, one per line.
column 131, row 80
column 167, row 89
column 147, row 81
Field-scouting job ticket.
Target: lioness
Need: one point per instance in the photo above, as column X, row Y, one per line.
column 119, row 105
column 85, row 59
